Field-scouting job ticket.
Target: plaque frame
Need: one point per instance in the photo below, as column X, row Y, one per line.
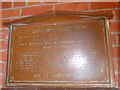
column 88, row 15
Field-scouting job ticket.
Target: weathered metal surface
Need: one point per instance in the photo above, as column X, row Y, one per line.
column 61, row 54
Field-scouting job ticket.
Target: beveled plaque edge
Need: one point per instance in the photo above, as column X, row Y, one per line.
column 61, row 12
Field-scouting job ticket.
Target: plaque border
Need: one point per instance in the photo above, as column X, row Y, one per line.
column 110, row 66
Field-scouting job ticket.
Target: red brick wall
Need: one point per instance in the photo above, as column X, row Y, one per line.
column 16, row 10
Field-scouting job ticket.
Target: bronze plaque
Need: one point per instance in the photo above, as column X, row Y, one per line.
column 73, row 54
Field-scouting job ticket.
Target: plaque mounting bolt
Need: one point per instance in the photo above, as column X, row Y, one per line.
column 14, row 28
column 11, row 78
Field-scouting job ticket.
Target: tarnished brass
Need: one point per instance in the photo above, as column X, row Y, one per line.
column 60, row 50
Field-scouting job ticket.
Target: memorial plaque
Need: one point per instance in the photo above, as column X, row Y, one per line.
column 73, row 53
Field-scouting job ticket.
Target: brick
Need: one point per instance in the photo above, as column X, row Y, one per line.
column 116, row 65
column 0, row 34
column 118, row 38
column 3, row 56
column 4, row 34
column 36, row 10
column 31, row 2
column 6, row 5
column 105, row 0
column 74, row 1
column 117, row 79
column 0, row 23
column 0, row 5
column 117, row 14
column 19, row 4
column 2, row 80
column 10, row 13
column 0, row 13
column 116, row 52
column 20, row 0
column 3, row 67
column 103, row 5
column 4, row 44
column 81, row 6
column 49, row 1
column 113, row 39
column 114, row 26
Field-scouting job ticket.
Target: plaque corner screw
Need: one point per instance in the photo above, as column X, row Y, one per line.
column 11, row 80
column 14, row 28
